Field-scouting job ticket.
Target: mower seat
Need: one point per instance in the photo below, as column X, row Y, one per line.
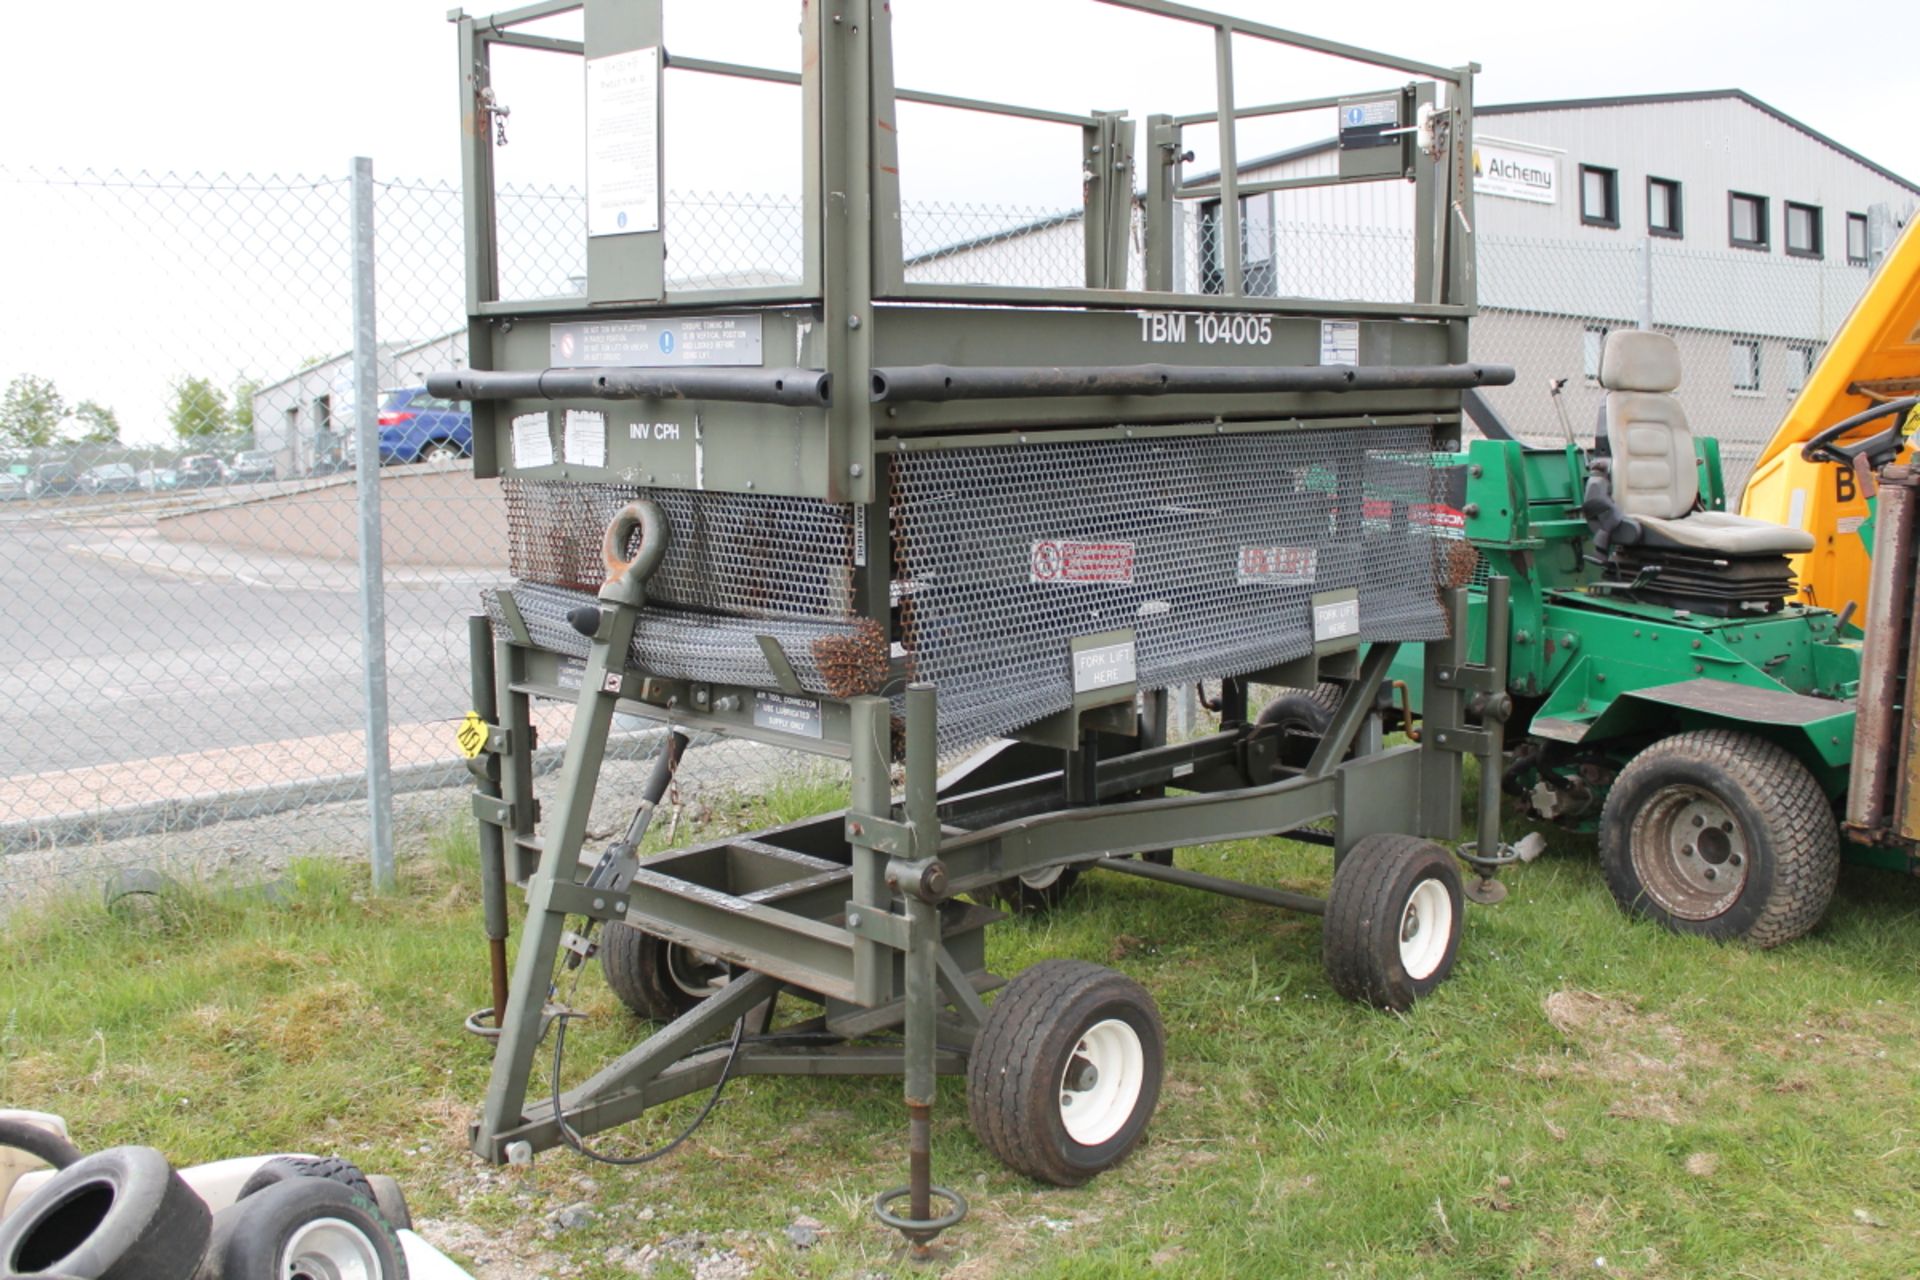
column 1644, row 487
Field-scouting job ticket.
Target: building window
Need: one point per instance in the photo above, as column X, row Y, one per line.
column 1800, row 361
column 1599, row 196
column 1746, row 221
column 1259, row 265
column 1857, row 239
column 1803, row 230
column 1663, row 207
column 1592, row 343
column 1746, row 364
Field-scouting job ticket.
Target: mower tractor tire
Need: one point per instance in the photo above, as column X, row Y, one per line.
column 1066, row 1072
column 303, row 1227
column 1392, row 930
column 119, row 1214
column 1721, row 834
column 656, row 979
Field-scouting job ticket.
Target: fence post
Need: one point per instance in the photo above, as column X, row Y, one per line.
column 373, row 605
column 1646, row 283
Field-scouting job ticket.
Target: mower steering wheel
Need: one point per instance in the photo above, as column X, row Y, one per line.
column 1878, row 449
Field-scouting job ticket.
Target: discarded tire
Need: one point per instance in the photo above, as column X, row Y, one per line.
column 119, row 1214
column 303, row 1227
column 1066, row 1072
column 1721, row 834
column 1393, row 921
column 656, row 979
column 332, row 1168
column 35, row 1141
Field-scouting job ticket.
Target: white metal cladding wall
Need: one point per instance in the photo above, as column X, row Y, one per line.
column 1710, row 146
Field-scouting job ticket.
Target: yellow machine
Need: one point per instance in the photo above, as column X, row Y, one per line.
column 1874, row 358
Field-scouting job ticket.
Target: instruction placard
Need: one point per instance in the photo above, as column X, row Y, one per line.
column 623, row 143
column 1340, row 342
column 784, row 713
column 585, row 442
column 655, row 343
column 532, row 441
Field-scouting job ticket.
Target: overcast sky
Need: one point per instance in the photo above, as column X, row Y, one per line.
column 272, row 86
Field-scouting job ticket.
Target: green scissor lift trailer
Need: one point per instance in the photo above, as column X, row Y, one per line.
column 884, row 515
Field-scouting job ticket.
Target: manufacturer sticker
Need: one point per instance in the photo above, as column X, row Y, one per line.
column 656, row 343
column 783, row 713
column 1107, row 666
column 1340, row 342
column 570, row 673
column 1058, row 560
column 1435, row 516
column 1336, row 619
column 1281, row 566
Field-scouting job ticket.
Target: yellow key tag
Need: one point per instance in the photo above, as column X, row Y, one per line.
column 471, row 735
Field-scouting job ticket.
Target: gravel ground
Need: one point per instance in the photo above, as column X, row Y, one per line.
column 256, row 850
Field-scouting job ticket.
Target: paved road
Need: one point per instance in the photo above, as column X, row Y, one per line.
column 118, row 645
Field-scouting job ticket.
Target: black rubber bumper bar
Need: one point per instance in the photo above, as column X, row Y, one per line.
column 799, row 387
column 946, row 382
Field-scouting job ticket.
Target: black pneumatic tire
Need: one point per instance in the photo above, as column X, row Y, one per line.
column 332, row 1168
column 641, row 968
column 262, row 1236
column 1775, row 862
column 391, row 1201
column 1373, row 931
column 1016, row 1076
column 119, row 1214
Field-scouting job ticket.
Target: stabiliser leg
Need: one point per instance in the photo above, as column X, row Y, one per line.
column 922, row 882
column 610, row 626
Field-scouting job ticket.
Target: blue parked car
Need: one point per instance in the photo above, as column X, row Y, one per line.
column 417, row 427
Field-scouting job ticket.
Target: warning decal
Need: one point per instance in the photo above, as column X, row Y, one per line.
column 1285, row 566
column 1058, row 560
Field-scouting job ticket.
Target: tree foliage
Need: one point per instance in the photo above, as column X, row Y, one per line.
column 243, row 389
column 199, row 409
column 31, row 412
column 98, row 423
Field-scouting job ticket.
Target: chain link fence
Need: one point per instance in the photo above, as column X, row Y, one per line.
column 180, row 525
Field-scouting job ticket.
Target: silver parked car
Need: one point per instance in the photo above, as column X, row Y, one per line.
column 12, row 487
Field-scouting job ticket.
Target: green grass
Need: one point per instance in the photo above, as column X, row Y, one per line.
column 1585, row 1097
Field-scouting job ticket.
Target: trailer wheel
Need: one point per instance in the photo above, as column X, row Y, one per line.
column 1066, row 1071
column 1299, row 718
column 1393, row 921
column 1036, row 892
column 1721, row 834
column 657, row 979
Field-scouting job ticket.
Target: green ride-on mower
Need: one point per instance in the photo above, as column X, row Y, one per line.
column 1661, row 691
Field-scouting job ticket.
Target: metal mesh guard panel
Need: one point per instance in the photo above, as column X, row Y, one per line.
column 1208, row 548
column 743, row 554
column 690, row 646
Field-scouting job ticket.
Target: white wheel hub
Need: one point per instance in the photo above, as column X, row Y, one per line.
column 1426, row 926
column 330, row 1249
column 1100, row 1086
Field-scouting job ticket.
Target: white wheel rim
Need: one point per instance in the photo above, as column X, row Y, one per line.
column 1426, row 926
column 1100, row 1084
column 330, row 1249
column 1045, row 878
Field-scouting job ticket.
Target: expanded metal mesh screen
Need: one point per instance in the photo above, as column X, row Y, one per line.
column 1210, row 549
column 744, row 554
